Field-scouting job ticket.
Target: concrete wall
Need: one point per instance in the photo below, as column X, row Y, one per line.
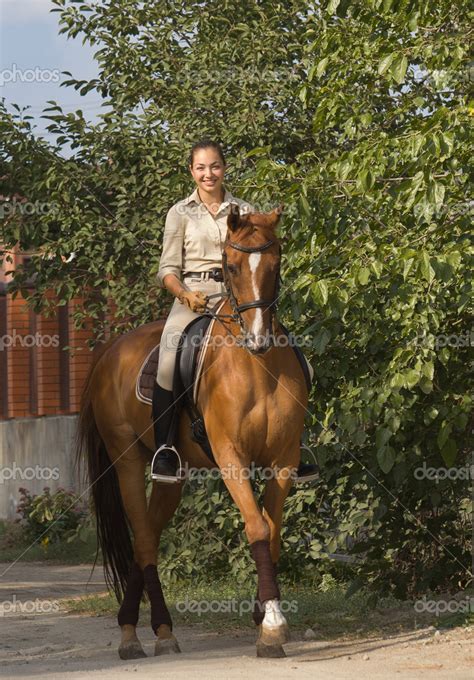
column 34, row 453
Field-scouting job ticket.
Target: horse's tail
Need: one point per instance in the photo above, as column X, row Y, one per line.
column 113, row 533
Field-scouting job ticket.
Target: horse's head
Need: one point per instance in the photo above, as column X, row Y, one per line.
column 251, row 264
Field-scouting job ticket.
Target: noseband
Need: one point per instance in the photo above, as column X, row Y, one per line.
column 236, row 308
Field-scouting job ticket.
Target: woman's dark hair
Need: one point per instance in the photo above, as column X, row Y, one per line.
column 204, row 144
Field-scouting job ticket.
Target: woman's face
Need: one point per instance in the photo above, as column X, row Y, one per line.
column 208, row 170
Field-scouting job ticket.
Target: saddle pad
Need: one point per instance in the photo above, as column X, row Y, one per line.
column 147, row 376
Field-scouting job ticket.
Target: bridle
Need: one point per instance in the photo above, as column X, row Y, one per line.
column 236, row 307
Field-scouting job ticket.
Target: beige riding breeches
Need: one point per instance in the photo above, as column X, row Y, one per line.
column 178, row 318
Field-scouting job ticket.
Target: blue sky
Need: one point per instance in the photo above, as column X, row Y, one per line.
column 29, row 40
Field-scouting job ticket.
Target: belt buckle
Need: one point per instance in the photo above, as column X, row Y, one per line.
column 216, row 274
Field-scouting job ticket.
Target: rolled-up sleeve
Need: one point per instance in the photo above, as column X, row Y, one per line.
column 171, row 261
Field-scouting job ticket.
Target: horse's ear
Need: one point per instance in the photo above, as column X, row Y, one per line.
column 233, row 218
column 273, row 217
column 278, row 212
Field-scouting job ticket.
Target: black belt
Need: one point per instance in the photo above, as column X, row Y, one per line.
column 215, row 273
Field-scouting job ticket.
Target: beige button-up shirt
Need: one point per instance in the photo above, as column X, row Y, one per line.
column 193, row 239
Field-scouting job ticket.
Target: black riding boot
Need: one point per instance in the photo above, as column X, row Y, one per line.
column 307, row 472
column 166, row 461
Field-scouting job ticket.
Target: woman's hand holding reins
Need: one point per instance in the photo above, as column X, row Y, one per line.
column 195, row 300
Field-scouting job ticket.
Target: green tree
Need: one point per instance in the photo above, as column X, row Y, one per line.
column 355, row 115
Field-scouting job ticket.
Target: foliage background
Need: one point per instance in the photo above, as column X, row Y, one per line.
column 355, row 115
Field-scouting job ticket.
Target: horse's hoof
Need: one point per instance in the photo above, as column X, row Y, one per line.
column 131, row 650
column 274, row 636
column 283, row 634
column 270, row 651
column 167, row 646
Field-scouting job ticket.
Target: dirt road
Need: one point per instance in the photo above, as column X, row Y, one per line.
column 40, row 639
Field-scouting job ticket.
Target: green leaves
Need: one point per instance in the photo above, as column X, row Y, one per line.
column 398, row 69
column 425, row 266
column 386, row 458
column 357, row 120
column 385, row 63
column 363, row 276
column 321, row 339
column 320, row 293
column 395, row 65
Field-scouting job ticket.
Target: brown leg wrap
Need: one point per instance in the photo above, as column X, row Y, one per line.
column 258, row 609
column 266, row 574
column 159, row 611
column 128, row 612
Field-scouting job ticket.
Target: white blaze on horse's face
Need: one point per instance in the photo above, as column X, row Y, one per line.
column 257, row 338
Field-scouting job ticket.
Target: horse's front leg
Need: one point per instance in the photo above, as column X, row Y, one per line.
column 273, row 627
column 257, row 529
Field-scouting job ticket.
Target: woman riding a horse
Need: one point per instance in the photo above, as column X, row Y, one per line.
column 191, row 270
column 252, row 398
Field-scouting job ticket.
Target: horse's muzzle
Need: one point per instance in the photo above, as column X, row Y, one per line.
column 258, row 345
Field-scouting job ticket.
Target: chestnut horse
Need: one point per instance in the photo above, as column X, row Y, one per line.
column 253, row 399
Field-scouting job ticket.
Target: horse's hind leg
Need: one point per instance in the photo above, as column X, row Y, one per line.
column 163, row 502
column 130, row 646
column 129, row 463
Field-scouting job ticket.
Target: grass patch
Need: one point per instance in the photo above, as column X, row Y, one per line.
column 226, row 606
column 13, row 543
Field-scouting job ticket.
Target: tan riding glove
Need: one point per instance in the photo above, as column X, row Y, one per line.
column 195, row 300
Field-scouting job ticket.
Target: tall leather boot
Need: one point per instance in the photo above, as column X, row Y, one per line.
column 166, row 462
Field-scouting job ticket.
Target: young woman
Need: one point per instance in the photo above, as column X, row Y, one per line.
column 191, row 269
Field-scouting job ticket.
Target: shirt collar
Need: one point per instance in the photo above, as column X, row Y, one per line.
column 228, row 198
